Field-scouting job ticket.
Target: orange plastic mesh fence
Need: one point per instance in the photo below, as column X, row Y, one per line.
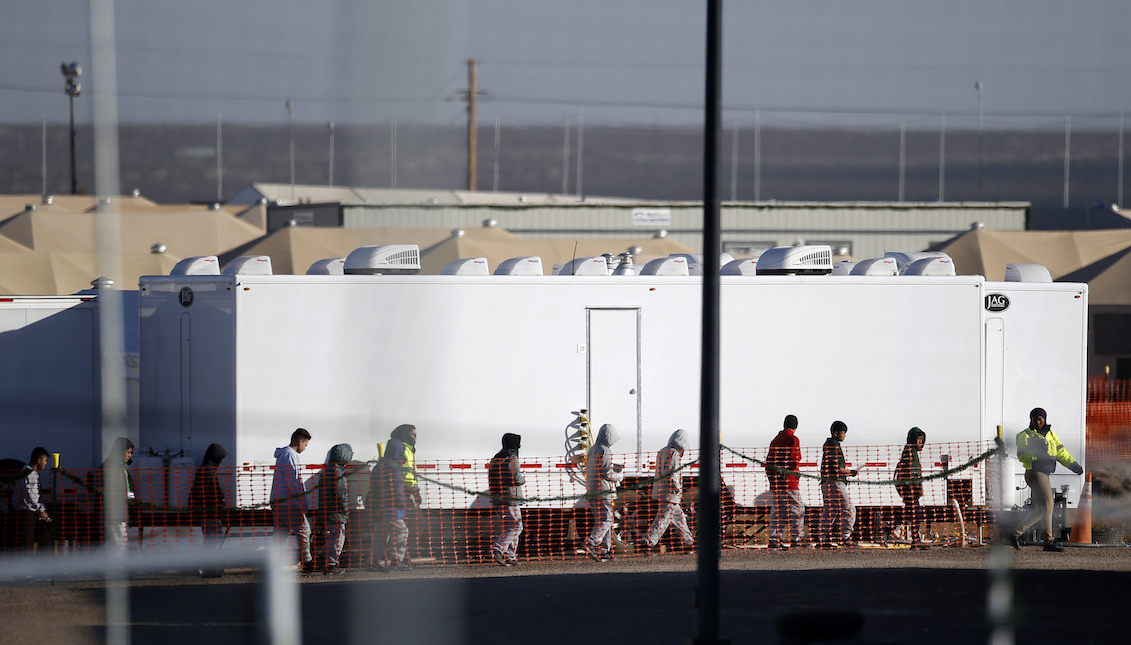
column 1109, row 420
column 452, row 524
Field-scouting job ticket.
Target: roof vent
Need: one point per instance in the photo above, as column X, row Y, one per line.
column 199, row 265
column 467, row 266
column 29, row 207
column 520, row 266
column 796, row 260
column 1026, row 273
column 930, row 266
column 384, row 259
column 624, row 265
column 136, row 192
column 458, row 232
column 903, row 260
column 977, row 226
column 876, row 267
column 490, row 223
column 102, row 282
column 214, row 206
column 249, row 265
column 585, row 266
column 636, row 250
column 47, row 199
column 746, row 266
column 660, row 234
column 157, row 248
column 327, row 266
column 844, row 267
column 666, row 266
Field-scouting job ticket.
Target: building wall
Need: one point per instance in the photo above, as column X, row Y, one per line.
column 867, row 229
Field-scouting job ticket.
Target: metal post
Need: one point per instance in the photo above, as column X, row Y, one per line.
column 978, row 86
column 472, row 138
column 734, row 163
column 331, row 179
column 74, row 178
column 757, row 154
column 580, row 150
column 219, row 158
column 1119, row 191
column 43, row 156
column 942, row 158
column 393, row 150
column 707, row 590
column 565, row 160
column 902, row 154
column 1067, row 154
column 291, row 127
column 495, row 183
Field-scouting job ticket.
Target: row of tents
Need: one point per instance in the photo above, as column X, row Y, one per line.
column 51, row 248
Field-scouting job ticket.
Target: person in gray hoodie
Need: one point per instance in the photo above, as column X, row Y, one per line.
column 601, row 479
column 506, row 480
column 333, row 502
column 288, row 496
column 667, row 491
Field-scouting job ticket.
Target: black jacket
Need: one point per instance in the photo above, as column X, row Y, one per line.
column 334, row 492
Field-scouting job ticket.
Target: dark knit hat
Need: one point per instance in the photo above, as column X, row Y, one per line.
column 1038, row 412
column 790, row 422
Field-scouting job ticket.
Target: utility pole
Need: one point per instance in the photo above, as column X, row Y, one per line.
column 902, row 155
column 1067, row 154
column 331, row 181
column 73, row 88
column 219, row 158
column 1119, row 191
column 942, row 157
column 291, row 127
column 978, row 87
column 470, row 96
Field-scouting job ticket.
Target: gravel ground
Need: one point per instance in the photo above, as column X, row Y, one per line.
column 933, row 596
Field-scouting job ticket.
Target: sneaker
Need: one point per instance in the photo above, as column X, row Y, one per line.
column 377, row 567
column 403, row 565
column 919, row 546
column 773, row 546
column 1015, row 540
column 1054, row 547
column 498, row 557
column 331, row 570
column 593, row 552
column 800, row 545
column 606, row 556
column 308, row 566
column 512, row 562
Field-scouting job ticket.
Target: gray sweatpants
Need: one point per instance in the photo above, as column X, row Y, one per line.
column 291, row 519
column 669, row 512
column 787, row 512
column 838, row 515
column 1042, row 504
column 601, row 537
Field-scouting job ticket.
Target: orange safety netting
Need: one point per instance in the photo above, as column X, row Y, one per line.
column 456, row 523
column 1109, row 420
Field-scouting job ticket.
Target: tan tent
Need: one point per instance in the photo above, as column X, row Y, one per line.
column 53, row 274
column 1109, row 280
column 982, row 252
column 184, row 232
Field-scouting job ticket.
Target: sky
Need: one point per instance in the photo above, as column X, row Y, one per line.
column 867, row 63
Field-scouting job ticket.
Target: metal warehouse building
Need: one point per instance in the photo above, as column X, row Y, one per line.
column 857, row 229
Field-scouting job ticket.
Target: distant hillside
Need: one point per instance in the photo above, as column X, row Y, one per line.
column 177, row 163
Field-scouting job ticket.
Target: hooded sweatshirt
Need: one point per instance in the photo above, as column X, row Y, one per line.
column 667, row 461
column 503, row 473
column 909, row 466
column 115, row 465
column 334, row 493
column 785, row 453
column 386, row 482
column 600, row 476
column 206, row 491
column 401, row 435
column 287, row 484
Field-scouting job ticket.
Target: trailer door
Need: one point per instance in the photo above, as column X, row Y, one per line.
column 613, row 380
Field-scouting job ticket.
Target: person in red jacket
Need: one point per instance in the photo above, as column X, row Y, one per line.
column 781, row 468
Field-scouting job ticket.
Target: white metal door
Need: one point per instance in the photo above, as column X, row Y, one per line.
column 614, row 372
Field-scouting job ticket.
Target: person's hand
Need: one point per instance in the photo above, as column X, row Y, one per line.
column 43, row 515
column 853, row 473
column 1076, row 468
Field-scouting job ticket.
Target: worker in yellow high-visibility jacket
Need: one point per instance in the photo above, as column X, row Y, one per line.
column 1039, row 449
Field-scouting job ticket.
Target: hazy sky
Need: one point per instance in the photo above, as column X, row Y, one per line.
column 621, row 61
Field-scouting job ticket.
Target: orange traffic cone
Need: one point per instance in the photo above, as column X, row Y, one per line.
column 1082, row 528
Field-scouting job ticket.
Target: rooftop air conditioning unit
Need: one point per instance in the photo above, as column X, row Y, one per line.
column 903, row 260
column 844, row 267
column 249, row 265
column 198, row 265
column 467, row 266
column 384, row 259
column 667, row 266
column 585, row 266
column 930, row 266
column 1027, row 273
column 695, row 261
column 747, row 266
column 796, row 260
column 876, row 266
column 520, row 266
column 327, row 266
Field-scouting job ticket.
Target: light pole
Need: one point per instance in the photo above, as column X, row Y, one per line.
column 73, row 88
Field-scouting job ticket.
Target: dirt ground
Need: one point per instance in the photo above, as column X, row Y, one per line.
column 922, row 597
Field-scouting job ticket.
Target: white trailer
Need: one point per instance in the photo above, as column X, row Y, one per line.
column 243, row 360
